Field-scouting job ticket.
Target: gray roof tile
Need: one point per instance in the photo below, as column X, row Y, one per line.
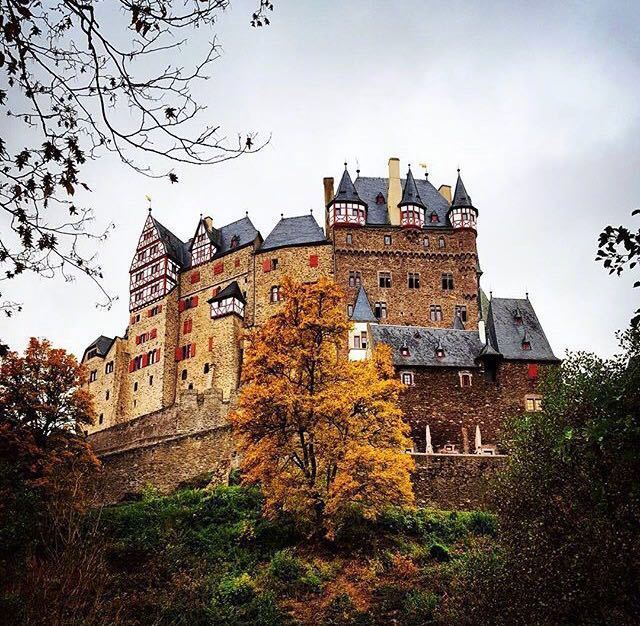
column 232, row 290
column 506, row 335
column 461, row 347
column 346, row 191
column 368, row 189
column 460, row 197
column 410, row 194
column 294, row 231
column 177, row 249
column 362, row 309
column 243, row 229
column 102, row 344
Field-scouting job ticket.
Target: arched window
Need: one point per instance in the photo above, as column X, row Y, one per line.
column 274, row 294
column 441, row 242
column 465, row 379
column 379, row 199
column 184, row 375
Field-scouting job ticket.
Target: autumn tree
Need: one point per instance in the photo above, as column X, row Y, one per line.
column 82, row 79
column 318, row 432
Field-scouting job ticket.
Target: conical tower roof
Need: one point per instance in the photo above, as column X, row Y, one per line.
column 410, row 193
column 362, row 309
column 346, row 190
column 460, row 197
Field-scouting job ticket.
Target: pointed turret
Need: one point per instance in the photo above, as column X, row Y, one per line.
column 362, row 311
column 462, row 213
column 346, row 207
column 412, row 209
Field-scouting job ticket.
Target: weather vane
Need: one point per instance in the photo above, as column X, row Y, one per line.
column 148, row 199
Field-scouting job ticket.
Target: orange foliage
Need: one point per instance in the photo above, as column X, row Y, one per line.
column 320, row 433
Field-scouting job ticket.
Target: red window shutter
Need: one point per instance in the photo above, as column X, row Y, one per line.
column 266, row 265
column 210, row 343
column 157, row 354
column 237, row 263
column 154, row 333
column 194, row 301
column 159, row 308
column 131, row 366
column 192, row 349
column 138, row 339
column 195, row 277
column 313, row 260
column 178, row 353
column 132, row 320
column 533, row 371
column 145, row 360
column 181, row 306
column 218, row 268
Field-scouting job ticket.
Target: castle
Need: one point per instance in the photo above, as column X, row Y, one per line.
column 405, row 254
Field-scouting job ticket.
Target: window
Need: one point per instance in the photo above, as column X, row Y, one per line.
column 533, row 403
column 354, row 279
column 532, row 371
column 433, row 218
column 152, row 357
column 106, row 395
column 447, row 282
column 108, row 368
column 407, row 378
column 101, row 419
column 461, row 310
column 154, row 310
column 190, row 386
column 356, row 342
column 274, row 294
column 363, row 339
column 188, row 303
column 441, row 242
column 235, row 240
column 425, row 242
column 440, row 352
column 195, row 277
column 313, row 260
column 93, row 375
column 206, row 368
column 404, row 350
column 274, row 264
column 349, row 238
column 460, row 244
column 384, row 280
column 135, row 402
column 435, row 313
column 465, row 379
column 379, row 199
column 349, row 310
column 135, row 386
column 218, row 268
column 413, row 280
column 183, row 375
column 187, row 327
column 151, row 381
column 387, row 240
column 380, row 310
column 526, row 344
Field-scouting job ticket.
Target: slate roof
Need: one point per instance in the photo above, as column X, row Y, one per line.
column 460, row 196
column 232, row 290
column 294, row 231
column 457, row 322
column 346, row 191
column 177, row 249
column 461, row 347
column 103, row 345
column 410, row 193
column 362, row 309
column 506, row 336
column 368, row 189
column 242, row 228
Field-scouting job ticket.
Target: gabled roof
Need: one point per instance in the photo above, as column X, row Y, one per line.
column 294, row 231
column 460, row 196
column 410, row 193
column 506, row 336
column 232, row 290
column 346, row 190
column 102, row 345
column 175, row 248
column 368, row 189
column 461, row 347
column 362, row 309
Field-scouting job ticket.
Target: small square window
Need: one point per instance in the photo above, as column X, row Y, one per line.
column 413, row 280
column 461, row 310
column 349, row 238
column 447, row 282
column 387, row 240
column 380, row 310
column 349, row 310
column 384, row 280
column 407, row 378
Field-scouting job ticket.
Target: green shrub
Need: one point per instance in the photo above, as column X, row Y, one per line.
column 236, row 590
column 261, row 610
column 439, row 552
column 312, row 580
column 418, row 608
column 341, row 611
column 285, row 567
column 482, row 523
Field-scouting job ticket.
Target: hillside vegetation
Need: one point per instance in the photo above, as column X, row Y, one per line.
column 210, row 557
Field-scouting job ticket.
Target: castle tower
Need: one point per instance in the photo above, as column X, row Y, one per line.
column 412, row 209
column 361, row 317
column 346, row 208
column 462, row 213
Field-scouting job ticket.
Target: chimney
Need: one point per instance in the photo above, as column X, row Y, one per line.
column 445, row 192
column 328, row 190
column 394, row 194
column 208, row 222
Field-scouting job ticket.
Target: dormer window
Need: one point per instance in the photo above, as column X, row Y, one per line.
column 433, row 218
column 379, row 199
column 439, row 352
column 517, row 317
column 404, row 350
column 235, row 240
column 526, row 344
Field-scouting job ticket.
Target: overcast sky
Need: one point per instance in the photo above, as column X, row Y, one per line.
column 538, row 103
